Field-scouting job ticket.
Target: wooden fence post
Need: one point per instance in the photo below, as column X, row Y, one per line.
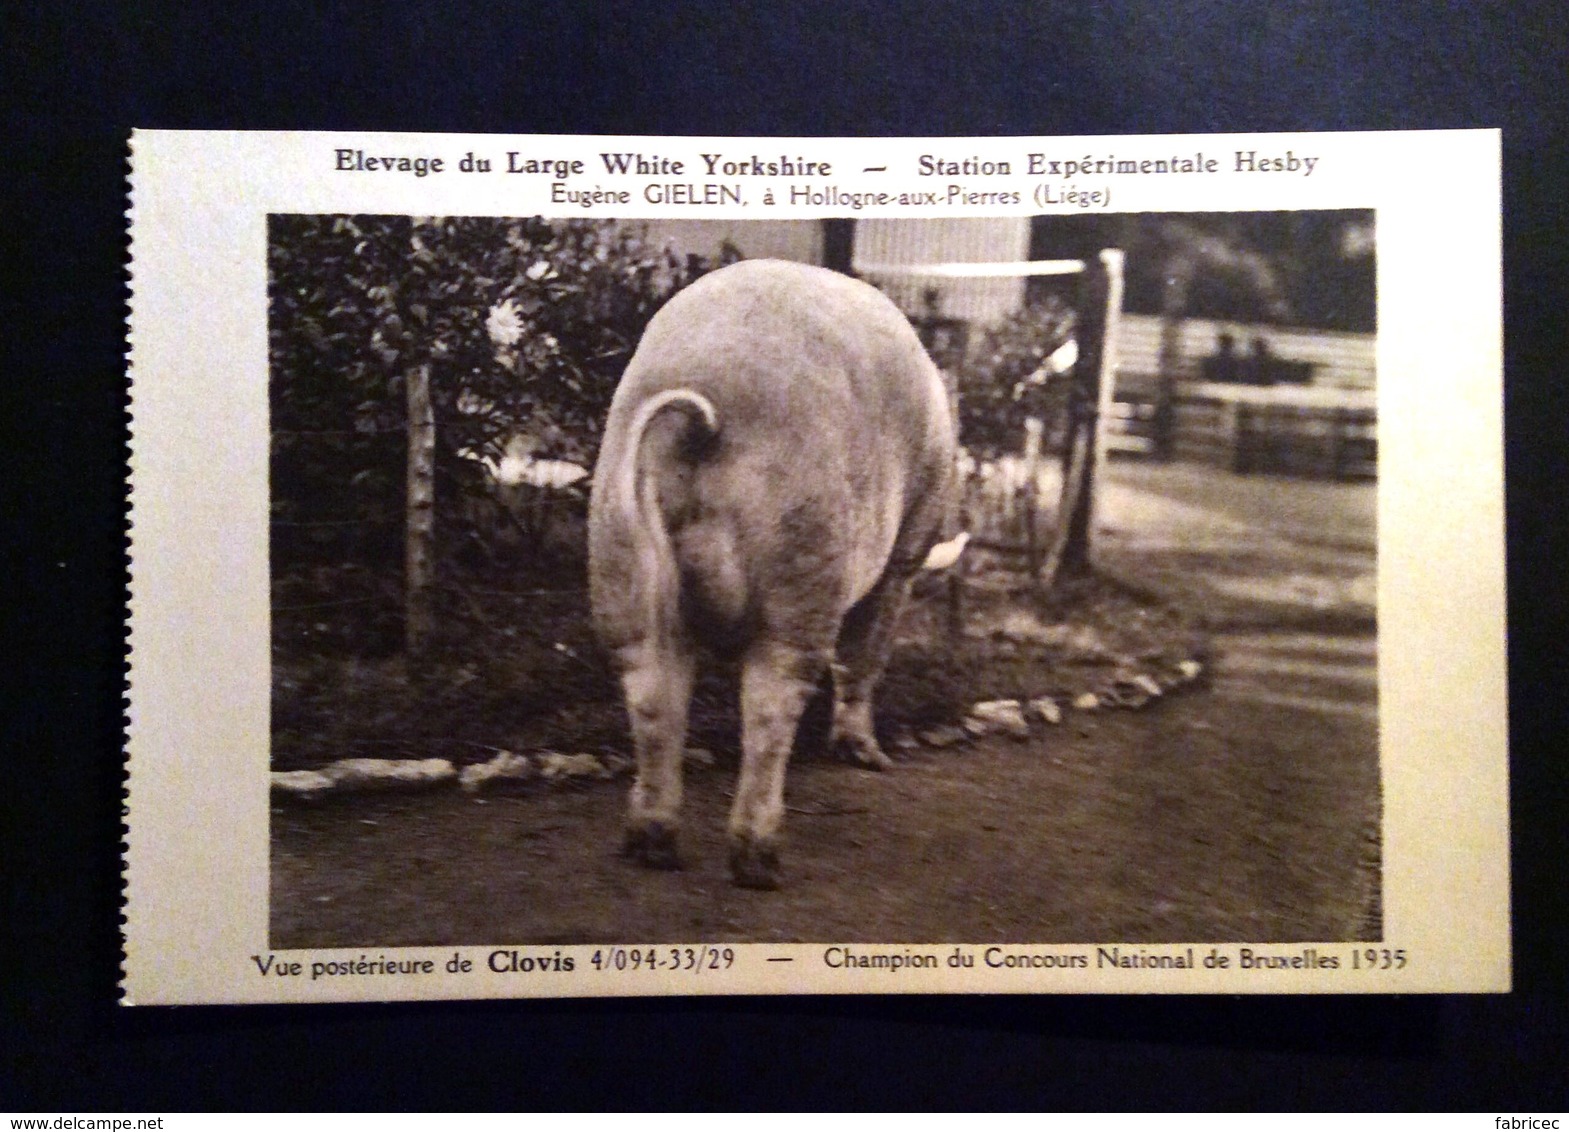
column 1034, row 549
column 958, row 520
column 1338, row 426
column 420, row 523
column 1111, row 280
column 1089, row 407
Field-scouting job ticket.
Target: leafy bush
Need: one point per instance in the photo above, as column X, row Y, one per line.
column 996, row 390
column 525, row 326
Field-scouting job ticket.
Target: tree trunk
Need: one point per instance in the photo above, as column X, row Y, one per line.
column 1068, row 554
column 1173, row 308
column 838, row 245
column 420, row 524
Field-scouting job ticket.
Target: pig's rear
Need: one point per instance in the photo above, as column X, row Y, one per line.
column 775, row 467
column 826, row 445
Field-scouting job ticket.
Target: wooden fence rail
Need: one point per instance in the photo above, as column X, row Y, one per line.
column 1293, row 430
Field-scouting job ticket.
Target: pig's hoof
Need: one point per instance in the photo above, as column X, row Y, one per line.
column 754, row 864
column 871, row 756
column 864, row 751
column 653, row 845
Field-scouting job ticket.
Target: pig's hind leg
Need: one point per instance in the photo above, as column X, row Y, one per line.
column 657, row 680
column 865, row 643
column 776, row 681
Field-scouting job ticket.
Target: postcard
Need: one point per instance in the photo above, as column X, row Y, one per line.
column 624, row 566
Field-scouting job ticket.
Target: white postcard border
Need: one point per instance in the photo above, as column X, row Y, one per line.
column 197, row 857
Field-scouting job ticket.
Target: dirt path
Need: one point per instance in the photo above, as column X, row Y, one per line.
column 1240, row 812
column 1261, row 551
column 1244, row 809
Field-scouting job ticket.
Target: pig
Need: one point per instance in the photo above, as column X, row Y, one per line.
column 776, row 465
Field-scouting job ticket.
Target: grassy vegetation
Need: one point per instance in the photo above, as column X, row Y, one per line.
column 520, row 671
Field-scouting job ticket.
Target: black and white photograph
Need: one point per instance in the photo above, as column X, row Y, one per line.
column 1000, row 580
